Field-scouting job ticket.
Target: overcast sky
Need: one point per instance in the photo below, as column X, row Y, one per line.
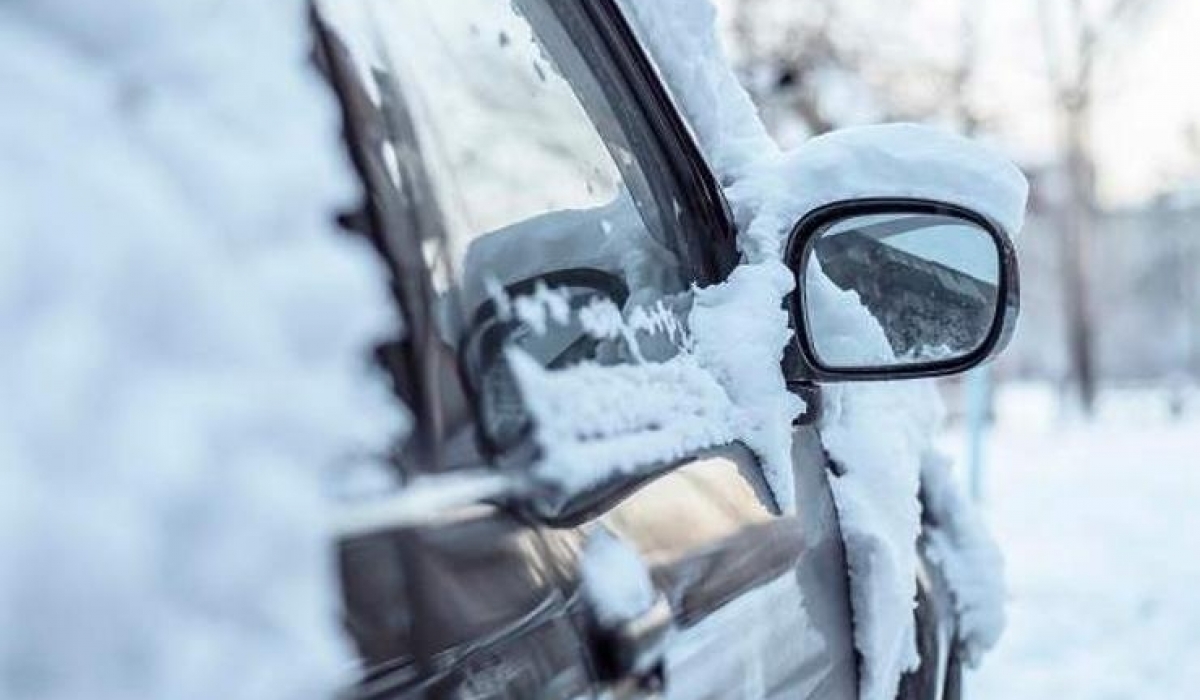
column 1148, row 92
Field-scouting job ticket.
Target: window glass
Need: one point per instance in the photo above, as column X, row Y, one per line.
column 547, row 224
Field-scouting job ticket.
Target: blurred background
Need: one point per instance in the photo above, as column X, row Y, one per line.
column 1083, row 442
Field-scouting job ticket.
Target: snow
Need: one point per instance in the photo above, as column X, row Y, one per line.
column 615, row 583
column 683, row 388
column 1100, row 530
column 597, row 422
column 962, row 548
column 739, row 328
column 686, row 50
column 185, row 352
column 877, row 434
column 888, row 160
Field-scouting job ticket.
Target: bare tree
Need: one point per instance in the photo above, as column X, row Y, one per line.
column 829, row 63
column 1075, row 35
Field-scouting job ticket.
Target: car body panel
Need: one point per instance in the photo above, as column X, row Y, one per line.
column 484, row 600
column 758, row 598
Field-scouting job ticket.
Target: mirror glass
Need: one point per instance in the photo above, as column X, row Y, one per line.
column 543, row 318
column 930, row 280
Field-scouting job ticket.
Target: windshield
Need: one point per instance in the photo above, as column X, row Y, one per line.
column 541, row 215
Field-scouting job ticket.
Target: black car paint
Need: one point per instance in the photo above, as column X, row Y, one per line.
column 484, row 601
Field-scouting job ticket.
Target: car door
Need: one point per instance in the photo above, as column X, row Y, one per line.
column 526, row 185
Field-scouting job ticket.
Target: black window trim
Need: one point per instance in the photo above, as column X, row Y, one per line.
column 716, row 232
column 407, row 360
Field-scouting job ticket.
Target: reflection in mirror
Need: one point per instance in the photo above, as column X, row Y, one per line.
column 930, row 280
column 541, row 317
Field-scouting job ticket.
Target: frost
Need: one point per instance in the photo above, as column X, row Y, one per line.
column 684, row 387
column 185, row 340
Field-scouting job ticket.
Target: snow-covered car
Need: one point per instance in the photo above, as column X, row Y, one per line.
column 616, row 482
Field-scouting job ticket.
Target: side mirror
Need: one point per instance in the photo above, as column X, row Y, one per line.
column 940, row 281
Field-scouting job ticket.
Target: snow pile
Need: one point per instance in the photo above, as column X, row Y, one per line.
column 877, row 434
column 962, row 548
column 889, row 160
column 596, row 422
column 616, row 583
column 681, row 37
column 184, row 349
column 1100, row 529
column 694, row 389
column 739, row 328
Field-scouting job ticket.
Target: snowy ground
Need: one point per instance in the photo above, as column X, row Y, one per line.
column 1100, row 525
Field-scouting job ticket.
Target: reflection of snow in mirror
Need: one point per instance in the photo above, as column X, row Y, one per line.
column 554, row 315
column 928, row 353
column 917, row 275
column 615, row 581
column 837, row 340
column 544, row 305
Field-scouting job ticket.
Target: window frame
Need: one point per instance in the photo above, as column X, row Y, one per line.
column 643, row 105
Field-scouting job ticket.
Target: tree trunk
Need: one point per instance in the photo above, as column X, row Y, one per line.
column 1077, row 226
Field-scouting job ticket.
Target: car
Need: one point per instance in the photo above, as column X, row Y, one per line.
column 546, row 215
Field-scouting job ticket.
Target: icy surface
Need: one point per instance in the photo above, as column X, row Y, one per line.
column 616, row 583
column 184, row 342
column 877, row 434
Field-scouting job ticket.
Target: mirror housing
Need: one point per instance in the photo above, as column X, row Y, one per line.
column 941, row 281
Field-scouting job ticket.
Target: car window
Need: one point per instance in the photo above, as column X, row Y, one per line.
column 550, row 226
